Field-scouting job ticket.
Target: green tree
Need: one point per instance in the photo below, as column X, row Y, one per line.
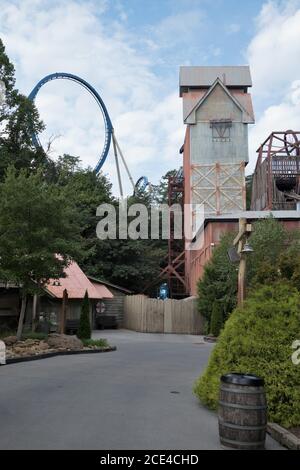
column 276, row 252
column 219, row 281
column 217, row 319
column 268, row 241
column 160, row 191
column 19, row 119
column 134, row 264
column 39, row 233
column 249, row 183
column 84, row 331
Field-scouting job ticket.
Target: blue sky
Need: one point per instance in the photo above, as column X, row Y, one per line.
column 131, row 50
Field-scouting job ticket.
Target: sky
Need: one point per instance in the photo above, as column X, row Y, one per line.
column 131, row 51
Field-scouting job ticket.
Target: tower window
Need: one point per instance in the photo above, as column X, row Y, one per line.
column 221, row 130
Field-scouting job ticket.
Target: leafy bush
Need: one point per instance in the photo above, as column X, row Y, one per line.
column 276, row 256
column 100, row 343
column 219, row 281
column 34, row 335
column 216, row 319
column 84, row 330
column 257, row 339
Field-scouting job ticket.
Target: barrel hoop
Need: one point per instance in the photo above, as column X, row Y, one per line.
column 248, row 444
column 242, row 428
column 250, row 392
column 243, row 407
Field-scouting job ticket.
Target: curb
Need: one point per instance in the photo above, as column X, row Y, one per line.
column 210, row 339
column 283, row 436
column 15, row 360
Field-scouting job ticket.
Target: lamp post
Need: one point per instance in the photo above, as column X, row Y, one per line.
column 243, row 249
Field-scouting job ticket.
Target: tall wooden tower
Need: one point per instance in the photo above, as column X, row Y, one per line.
column 217, row 109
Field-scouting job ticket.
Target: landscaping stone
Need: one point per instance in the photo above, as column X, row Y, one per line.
column 284, row 436
column 9, row 340
column 58, row 341
column 55, row 344
column 43, row 346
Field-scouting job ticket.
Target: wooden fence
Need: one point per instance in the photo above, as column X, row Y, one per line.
column 162, row 316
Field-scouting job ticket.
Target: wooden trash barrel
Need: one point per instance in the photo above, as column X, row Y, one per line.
column 242, row 411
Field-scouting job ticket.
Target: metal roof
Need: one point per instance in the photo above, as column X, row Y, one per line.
column 204, row 77
column 76, row 283
column 96, row 280
column 249, row 215
column 283, row 215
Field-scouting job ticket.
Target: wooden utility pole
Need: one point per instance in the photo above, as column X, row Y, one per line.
column 34, row 307
column 63, row 312
column 239, row 242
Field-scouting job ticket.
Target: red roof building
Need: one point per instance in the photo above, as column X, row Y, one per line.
column 77, row 283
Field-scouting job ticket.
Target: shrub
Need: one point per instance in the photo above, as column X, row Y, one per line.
column 84, row 330
column 100, row 343
column 258, row 339
column 34, row 335
column 216, row 322
column 275, row 256
column 219, row 281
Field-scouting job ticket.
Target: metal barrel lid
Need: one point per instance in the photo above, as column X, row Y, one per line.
column 242, row 379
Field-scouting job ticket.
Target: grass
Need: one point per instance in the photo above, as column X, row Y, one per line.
column 34, row 335
column 100, row 343
column 5, row 333
column 26, row 335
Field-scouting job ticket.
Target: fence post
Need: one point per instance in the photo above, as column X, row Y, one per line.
column 168, row 316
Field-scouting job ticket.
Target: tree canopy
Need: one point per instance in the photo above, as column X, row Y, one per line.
column 19, row 119
column 275, row 256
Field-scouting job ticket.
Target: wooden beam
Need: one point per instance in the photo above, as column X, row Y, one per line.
column 63, row 312
column 242, row 231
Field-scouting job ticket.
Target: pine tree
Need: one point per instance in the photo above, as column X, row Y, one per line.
column 216, row 322
column 84, row 331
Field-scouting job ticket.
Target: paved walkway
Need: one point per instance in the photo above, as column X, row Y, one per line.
column 138, row 397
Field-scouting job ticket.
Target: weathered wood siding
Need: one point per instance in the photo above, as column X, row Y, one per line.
column 162, row 316
column 115, row 306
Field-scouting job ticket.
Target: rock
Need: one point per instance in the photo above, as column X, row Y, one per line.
column 30, row 342
column 17, row 350
column 10, row 340
column 58, row 341
column 43, row 346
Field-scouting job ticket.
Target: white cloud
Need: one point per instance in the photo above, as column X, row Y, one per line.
column 279, row 117
column 273, row 56
column 275, row 50
column 233, row 28
column 43, row 36
column 178, row 28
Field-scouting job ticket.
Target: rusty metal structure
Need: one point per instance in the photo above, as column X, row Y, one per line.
column 276, row 179
column 175, row 269
column 173, row 266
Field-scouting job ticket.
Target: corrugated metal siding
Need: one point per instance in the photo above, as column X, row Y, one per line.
column 204, row 150
column 201, row 76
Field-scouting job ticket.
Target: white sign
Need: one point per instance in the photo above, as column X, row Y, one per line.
column 2, row 353
column 2, row 92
